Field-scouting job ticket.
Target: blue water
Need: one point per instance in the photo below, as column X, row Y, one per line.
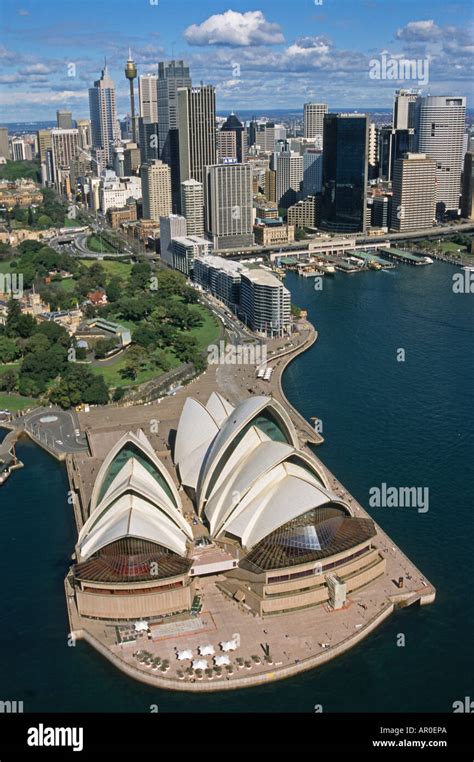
column 406, row 424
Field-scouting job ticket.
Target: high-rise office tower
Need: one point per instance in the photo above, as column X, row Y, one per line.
column 405, row 109
column 414, row 192
column 226, row 147
column 103, row 112
column 172, row 75
column 156, row 190
column 233, row 125
column 392, row 145
column 441, row 125
column 312, row 171
column 131, row 74
column 314, row 121
column 148, row 97
column 85, row 136
column 373, row 151
column 345, row 164
column 18, row 149
column 172, row 226
column 197, row 131
column 270, row 185
column 467, row 195
column 4, row 146
column 265, row 302
column 192, row 206
column 148, row 139
column 64, row 119
column 229, row 217
column 65, row 147
column 44, row 142
column 289, row 178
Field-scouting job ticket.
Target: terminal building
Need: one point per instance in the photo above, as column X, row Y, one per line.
column 277, row 539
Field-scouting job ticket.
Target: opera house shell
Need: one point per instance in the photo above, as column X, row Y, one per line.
column 286, row 540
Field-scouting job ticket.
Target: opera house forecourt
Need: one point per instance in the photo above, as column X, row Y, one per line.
column 221, row 553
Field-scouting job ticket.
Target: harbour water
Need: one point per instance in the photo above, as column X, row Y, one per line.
column 401, row 423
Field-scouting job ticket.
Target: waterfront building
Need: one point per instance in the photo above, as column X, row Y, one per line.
column 381, row 211
column 273, row 231
column 104, row 125
column 414, row 193
column 185, row 249
column 265, row 302
column 229, row 213
column 222, row 277
column 156, row 190
column 192, row 206
column 303, row 213
column 441, row 125
column 345, row 165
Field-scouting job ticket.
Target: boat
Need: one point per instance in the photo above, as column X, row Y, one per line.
column 469, row 268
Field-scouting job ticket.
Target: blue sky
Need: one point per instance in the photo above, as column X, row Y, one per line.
column 261, row 54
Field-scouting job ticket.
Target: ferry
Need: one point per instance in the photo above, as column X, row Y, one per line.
column 469, row 268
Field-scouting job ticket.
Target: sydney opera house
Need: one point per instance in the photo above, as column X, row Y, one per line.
column 244, row 503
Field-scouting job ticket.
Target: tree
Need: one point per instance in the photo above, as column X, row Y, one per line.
column 139, row 278
column 160, row 359
column 186, row 348
column 9, row 350
column 37, row 343
column 114, row 289
column 103, row 347
column 17, row 324
column 97, row 276
column 8, row 381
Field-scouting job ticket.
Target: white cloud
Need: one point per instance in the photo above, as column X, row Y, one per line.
column 235, row 29
column 419, row 31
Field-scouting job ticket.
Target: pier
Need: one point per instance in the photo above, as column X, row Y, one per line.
column 406, row 257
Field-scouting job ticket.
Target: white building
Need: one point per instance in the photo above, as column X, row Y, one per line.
column 314, row 121
column 114, row 191
column 172, row 226
column 289, row 178
column 148, row 97
column 265, row 302
column 192, row 206
column 440, row 136
column 229, row 208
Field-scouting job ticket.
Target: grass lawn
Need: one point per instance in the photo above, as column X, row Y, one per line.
column 122, row 269
column 71, row 223
column 5, row 266
column 13, row 402
column 111, row 373
column 100, row 245
column 209, row 331
column 67, row 284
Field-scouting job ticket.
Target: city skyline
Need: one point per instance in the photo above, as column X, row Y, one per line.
column 250, row 56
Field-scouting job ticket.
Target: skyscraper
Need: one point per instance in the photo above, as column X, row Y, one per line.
column 467, row 198
column 131, row 74
column 85, row 137
column 44, row 142
column 156, row 190
column 405, row 109
column 197, row 131
column 229, row 217
column 344, row 173
column 289, row 178
column 64, row 149
column 192, row 206
column 148, row 139
column 312, row 171
column 172, row 75
column 102, row 107
column 64, row 119
column 148, row 97
column 234, row 126
column 314, row 121
column 373, row 151
column 414, row 192
column 441, row 127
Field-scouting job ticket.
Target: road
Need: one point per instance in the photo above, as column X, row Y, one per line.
column 59, row 432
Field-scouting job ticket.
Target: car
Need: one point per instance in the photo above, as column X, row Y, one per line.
column 77, row 433
column 59, row 442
